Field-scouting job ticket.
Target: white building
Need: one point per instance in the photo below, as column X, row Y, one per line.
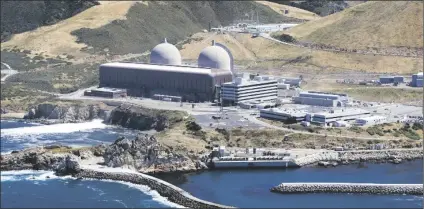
column 328, row 117
column 372, row 120
column 243, row 89
column 321, row 99
column 283, row 114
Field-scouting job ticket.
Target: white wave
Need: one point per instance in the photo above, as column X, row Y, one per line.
column 146, row 190
column 33, row 175
column 54, row 129
column 30, row 175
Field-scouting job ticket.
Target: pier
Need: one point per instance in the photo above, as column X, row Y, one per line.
column 363, row 188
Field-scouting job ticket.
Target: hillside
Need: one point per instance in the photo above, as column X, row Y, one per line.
column 292, row 11
column 320, row 7
column 263, row 55
column 21, row 16
column 124, row 27
column 377, row 24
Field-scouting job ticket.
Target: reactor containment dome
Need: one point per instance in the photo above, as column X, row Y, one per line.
column 214, row 57
column 165, row 54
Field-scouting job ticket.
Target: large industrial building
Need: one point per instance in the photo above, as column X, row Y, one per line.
column 242, row 89
column 327, row 117
column 165, row 75
column 417, row 80
column 283, row 114
column 321, row 99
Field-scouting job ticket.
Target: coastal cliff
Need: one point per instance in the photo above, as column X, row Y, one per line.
column 144, row 154
column 67, row 112
column 140, row 118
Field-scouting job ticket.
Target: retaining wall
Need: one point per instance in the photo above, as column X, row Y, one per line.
column 366, row 188
column 165, row 189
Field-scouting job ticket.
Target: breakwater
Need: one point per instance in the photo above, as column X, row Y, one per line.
column 346, row 157
column 165, row 189
column 364, row 188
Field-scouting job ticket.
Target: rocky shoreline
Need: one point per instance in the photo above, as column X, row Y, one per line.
column 362, row 188
column 334, row 158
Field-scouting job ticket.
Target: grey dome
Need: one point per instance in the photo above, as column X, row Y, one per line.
column 165, row 54
column 214, row 57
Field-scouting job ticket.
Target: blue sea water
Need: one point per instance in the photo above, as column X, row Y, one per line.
column 242, row 188
column 238, row 188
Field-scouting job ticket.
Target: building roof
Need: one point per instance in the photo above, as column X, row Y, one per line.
column 240, row 82
column 214, row 57
column 370, row 118
column 286, row 111
column 166, row 68
column 341, row 112
column 165, row 54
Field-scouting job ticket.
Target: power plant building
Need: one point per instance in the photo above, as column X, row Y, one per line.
column 321, row 99
column 167, row 77
column 260, row 88
column 417, row 80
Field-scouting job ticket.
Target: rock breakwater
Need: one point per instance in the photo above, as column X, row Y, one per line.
column 164, row 188
column 365, row 188
column 347, row 157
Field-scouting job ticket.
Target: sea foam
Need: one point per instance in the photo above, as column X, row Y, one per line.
column 54, row 129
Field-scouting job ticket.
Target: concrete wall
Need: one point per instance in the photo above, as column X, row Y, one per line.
column 366, row 188
column 164, row 188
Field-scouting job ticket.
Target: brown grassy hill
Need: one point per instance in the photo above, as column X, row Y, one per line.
column 379, row 24
column 122, row 27
column 270, row 57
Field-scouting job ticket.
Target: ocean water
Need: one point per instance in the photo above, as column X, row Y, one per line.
column 32, row 189
column 240, row 188
column 42, row 189
column 250, row 188
column 19, row 135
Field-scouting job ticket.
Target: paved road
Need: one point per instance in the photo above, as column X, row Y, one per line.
column 9, row 71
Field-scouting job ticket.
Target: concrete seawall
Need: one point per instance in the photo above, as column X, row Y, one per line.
column 346, row 157
column 165, row 189
column 364, row 188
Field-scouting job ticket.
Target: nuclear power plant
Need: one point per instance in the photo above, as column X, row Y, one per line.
column 166, row 76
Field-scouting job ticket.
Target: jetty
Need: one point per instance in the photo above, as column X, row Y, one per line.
column 363, row 188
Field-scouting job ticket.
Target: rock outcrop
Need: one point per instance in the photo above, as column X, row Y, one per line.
column 141, row 118
column 38, row 158
column 146, row 155
column 63, row 112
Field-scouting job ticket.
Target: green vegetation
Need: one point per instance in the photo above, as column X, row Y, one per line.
column 320, row 7
column 284, row 37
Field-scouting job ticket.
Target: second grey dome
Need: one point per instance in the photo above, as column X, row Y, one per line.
column 214, row 57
